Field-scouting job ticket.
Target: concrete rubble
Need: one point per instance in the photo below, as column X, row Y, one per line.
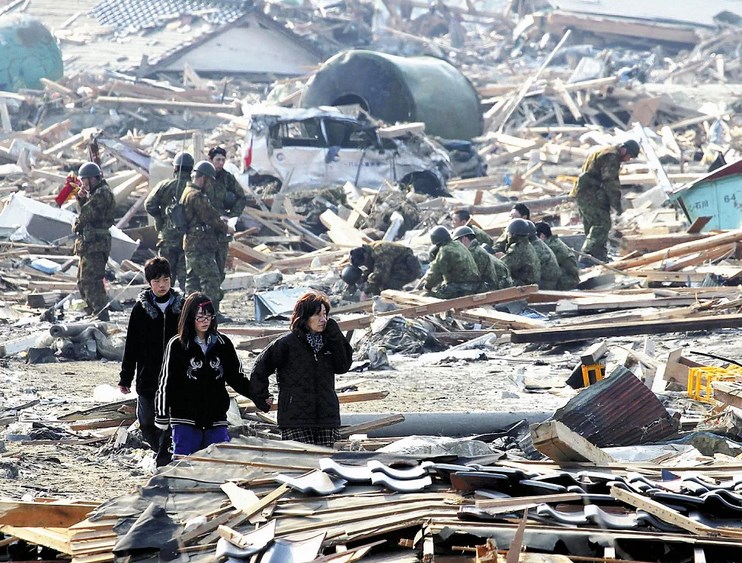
column 617, row 429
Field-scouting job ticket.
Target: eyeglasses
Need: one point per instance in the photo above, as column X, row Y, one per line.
column 202, row 318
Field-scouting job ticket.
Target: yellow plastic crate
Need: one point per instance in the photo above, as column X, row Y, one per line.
column 701, row 378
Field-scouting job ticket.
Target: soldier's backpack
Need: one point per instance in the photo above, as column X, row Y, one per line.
column 175, row 213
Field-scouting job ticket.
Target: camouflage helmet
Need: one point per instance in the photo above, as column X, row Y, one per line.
column 183, row 160
column 205, row 168
column 519, row 228
column 439, row 235
column 89, row 170
column 351, row 274
column 531, row 228
column 463, row 231
column 632, row 148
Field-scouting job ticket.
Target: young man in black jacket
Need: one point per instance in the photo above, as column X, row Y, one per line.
column 153, row 322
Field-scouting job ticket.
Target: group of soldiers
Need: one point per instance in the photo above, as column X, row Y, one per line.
column 466, row 260
column 192, row 212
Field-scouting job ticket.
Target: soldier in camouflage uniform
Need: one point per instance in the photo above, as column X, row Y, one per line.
column 570, row 271
column 453, row 272
column 493, row 272
column 204, row 227
column 550, row 271
column 462, row 218
column 93, row 242
column 520, row 257
column 160, row 203
column 519, row 211
column 597, row 190
column 226, row 194
column 389, row 265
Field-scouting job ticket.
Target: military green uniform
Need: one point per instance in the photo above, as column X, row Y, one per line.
column 596, row 191
column 453, row 272
column 227, row 196
column 93, row 244
column 570, row 271
column 493, row 275
column 159, row 203
column 204, row 227
column 501, row 244
column 390, row 266
column 479, row 234
column 550, row 271
column 522, row 261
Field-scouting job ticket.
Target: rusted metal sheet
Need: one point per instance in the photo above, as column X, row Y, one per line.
column 618, row 411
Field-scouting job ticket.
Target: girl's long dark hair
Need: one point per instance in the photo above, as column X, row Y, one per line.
column 187, row 321
column 308, row 304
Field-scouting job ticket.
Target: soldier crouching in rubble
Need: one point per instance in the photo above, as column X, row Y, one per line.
column 569, row 275
column 305, row 362
column 520, row 257
column 199, row 363
column 597, row 189
column 493, row 271
column 93, row 242
column 453, row 272
column 153, row 322
column 462, row 218
column 388, row 265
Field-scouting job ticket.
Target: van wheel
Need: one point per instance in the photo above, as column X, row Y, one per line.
column 425, row 183
column 265, row 185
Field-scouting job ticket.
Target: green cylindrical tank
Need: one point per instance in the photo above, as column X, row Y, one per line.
column 28, row 52
column 398, row 89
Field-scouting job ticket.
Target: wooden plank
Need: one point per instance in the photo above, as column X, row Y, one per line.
column 365, row 427
column 645, row 243
column 241, row 499
column 587, row 332
column 55, row 538
column 57, row 514
column 247, row 254
column 343, row 398
column 233, row 108
column 556, row 441
column 665, row 514
column 728, row 393
column 517, row 502
column 340, row 232
column 679, row 250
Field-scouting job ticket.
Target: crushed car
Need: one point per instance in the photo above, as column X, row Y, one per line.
column 313, row 148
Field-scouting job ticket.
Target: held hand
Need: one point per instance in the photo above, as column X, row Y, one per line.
column 161, row 426
column 125, row 390
column 83, row 193
column 269, row 401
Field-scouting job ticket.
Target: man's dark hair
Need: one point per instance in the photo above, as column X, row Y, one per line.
column 543, row 229
column 156, row 267
column 187, row 322
column 215, row 151
column 308, row 304
column 462, row 214
column 522, row 210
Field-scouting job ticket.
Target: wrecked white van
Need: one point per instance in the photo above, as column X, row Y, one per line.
column 313, row 148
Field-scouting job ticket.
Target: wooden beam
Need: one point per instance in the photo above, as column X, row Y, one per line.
column 587, row 332
column 559, row 443
column 57, row 514
column 343, row 398
column 679, row 250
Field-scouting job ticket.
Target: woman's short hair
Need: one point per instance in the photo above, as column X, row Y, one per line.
column 308, row 305
column 187, row 321
column 156, row 267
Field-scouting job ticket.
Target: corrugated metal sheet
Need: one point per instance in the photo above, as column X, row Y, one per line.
column 618, row 411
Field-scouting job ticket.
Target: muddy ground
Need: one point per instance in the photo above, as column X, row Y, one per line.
column 505, row 377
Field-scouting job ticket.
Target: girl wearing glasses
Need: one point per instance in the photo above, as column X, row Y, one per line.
column 199, row 363
column 305, row 362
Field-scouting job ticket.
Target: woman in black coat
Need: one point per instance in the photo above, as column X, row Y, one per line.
column 305, row 362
